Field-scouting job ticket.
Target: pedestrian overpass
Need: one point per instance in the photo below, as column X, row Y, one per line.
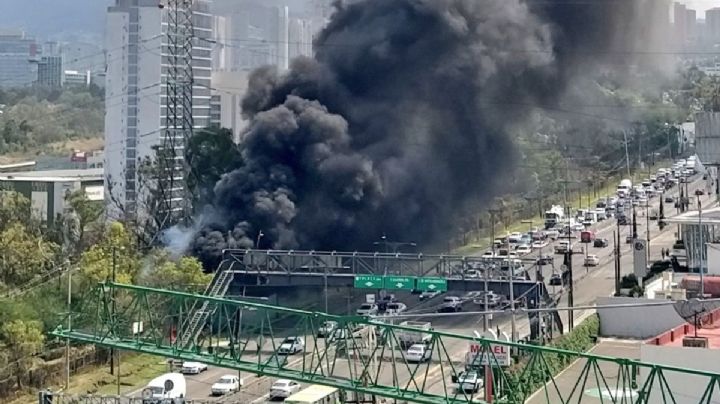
column 246, row 336
column 245, row 268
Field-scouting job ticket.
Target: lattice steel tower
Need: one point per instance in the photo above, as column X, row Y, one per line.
column 174, row 202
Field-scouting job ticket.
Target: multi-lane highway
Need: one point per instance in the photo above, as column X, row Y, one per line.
column 590, row 282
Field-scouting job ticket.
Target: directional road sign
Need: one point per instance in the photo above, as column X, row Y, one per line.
column 368, row 282
column 400, row 282
column 432, row 284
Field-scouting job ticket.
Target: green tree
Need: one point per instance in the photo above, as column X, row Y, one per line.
column 185, row 274
column 23, row 339
column 16, row 208
column 211, row 153
column 23, row 255
column 96, row 264
column 85, row 210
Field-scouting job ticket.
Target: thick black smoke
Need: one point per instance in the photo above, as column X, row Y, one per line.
column 399, row 120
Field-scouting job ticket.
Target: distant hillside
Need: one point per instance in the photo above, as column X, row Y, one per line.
column 52, row 18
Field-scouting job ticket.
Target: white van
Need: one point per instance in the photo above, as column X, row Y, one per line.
column 161, row 388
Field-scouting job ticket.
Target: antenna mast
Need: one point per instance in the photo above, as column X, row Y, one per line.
column 174, row 204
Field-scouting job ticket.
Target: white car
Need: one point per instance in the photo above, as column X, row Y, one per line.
column 523, row 249
column 292, row 345
column 367, row 309
column 283, row 388
column 552, row 233
column 488, row 255
column 418, row 353
column 592, row 261
column 226, row 385
column 193, row 368
column 451, row 299
column 539, row 244
column 469, row 381
column 492, row 299
column 471, row 273
column 428, row 294
column 327, row 328
column 580, row 226
column 514, row 238
column 395, row 308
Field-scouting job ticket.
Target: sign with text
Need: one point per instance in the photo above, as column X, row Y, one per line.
column 400, row 282
column 368, row 282
column 432, row 284
column 489, row 355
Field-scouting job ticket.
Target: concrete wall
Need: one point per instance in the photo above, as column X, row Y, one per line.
column 686, row 389
column 635, row 322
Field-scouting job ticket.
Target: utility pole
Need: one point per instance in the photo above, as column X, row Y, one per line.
column 67, row 341
column 493, row 213
column 627, row 154
column 702, row 246
column 175, row 200
column 112, row 350
column 513, row 326
column 569, row 253
column 616, row 257
column 647, row 229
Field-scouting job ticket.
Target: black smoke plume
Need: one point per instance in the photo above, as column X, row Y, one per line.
column 400, row 119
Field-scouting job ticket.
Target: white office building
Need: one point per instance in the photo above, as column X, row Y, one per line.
column 135, row 93
column 283, row 42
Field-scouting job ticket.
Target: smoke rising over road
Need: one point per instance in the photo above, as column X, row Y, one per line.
column 401, row 118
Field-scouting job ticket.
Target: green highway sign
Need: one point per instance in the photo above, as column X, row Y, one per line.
column 432, row 284
column 368, row 282
column 400, row 282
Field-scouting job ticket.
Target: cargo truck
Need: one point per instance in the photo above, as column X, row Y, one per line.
column 554, row 216
column 421, row 336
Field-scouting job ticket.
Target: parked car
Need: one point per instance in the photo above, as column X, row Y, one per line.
column 601, row 243
column 327, row 328
column 592, row 260
column 367, row 309
column 629, row 239
column 291, row 346
column 226, row 385
column 699, row 192
column 539, row 244
column 622, row 220
column 669, row 199
column 488, row 255
column 418, row 353
column 283, row 388
column 193, row 368
column 555, row 280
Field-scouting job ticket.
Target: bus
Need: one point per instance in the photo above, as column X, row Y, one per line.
column 316, row 394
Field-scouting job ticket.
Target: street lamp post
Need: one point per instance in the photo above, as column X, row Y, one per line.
column 257, row 241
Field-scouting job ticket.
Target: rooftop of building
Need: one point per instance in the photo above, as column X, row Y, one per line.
column 674, row 337
column 709, row 217
column 88, row 174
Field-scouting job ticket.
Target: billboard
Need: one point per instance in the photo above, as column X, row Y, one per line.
column 707, row 137
column 639, row 258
